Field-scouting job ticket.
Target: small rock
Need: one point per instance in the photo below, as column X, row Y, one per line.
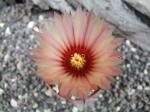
column 31, row 24
column 14, row 103
column 133, row 49
column 2, row 24
column 100, row 96
column 74, row 109
column 35, row 105
column 37, row 110
column 1, row 91
column 147, row 88
column 41, row 18
column 36, row 94
column 48, row 93
column 145, row 72
column 63, row 102
column 73, row 97
column 7, row 31
column 118, row 109
column 128, row 42
column 56, row 88
column 6, row 58
column 131, row 91
column 47, row 110
column 36, row 29
column 19, row 65
column 140, row 87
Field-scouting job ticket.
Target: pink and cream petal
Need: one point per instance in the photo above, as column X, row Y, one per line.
column 79, row 25
column 77, row 54
column 68, row 27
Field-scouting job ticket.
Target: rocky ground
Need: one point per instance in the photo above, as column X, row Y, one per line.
column 22, row 91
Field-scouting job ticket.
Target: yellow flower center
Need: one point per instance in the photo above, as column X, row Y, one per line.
column 77, row 61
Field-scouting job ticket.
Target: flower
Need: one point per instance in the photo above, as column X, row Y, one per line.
column 77, row 54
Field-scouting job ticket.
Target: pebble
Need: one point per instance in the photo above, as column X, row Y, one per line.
column 31, row 25
column 131, row 91
column 7, row 31
column 2, row 24
column 74, row 109
column 41, row 17
column 63, row 102
column 56, row 88
column 48, row 93
column 147, row 88
column 118, row 108
column 128, row 42
column 19, row 64
column 145, row 72
column 36, row 29
column 6, row 58
column 133, row 49
column 140, row 87
column 100, row 96
column 37, row 110
column 1, row 91
column 14, row 103
column 47, row 110
column 35, row 105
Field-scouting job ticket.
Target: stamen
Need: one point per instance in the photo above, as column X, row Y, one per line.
column 77, row 61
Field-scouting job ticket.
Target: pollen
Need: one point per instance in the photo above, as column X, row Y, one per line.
column 77, row 61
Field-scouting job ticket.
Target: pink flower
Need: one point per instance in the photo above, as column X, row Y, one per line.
column 77, row 53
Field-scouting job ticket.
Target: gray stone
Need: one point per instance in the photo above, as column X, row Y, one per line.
column 61, row 5
column 141, row 5
column 14, row 103
column 120, row 16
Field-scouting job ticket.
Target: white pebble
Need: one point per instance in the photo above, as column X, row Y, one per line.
column 147, row 88
column 73, row 97
column 128, row 65
column 63, row 102
column 7, row 31
column 74, row 109
column 36, row 29
column 145, row 72
column 2, row 24
column 48, row 93
column 128, row 42
column 56, row 88
column 14, row 103
column 6, row 58
column 118, row 109
column 31, row 24
column 41, row 17
column 35, row 105
column 140, row 87
column 47, row 110
column 37, row 110
column 19, row 64
column 1, row 91
column 100, row 96
column 133, row 49
column 131, row 91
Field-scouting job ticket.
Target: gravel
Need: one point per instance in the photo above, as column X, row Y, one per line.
column 22, row 91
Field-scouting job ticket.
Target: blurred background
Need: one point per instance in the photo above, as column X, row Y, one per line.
column 22, row 91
